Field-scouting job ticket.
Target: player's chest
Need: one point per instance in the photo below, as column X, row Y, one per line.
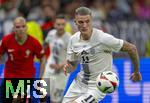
column 58, row 44
column 23, row 51
column 86, row 48
column 87, row 52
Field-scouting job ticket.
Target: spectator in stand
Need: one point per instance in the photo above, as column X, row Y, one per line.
column 49, row 16
column 34, row 29
column 114, row 13
column 144, row 11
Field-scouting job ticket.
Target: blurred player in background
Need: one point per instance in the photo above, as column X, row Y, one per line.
column 57, row 39
column 21, row 50
column 93, row 48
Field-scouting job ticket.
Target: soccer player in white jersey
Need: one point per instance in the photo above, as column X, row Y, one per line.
column 93, row 48
column 58, row 41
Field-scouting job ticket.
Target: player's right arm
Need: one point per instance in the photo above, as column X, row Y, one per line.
column 0, row 57
column 47, row 41
column 117, row 45
column 2, row 48
column 70, row 66
column 71, row 62
column 132, row 51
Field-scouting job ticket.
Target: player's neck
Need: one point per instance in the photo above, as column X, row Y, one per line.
column 86, row 36
column 21, row 40
column 59, row 34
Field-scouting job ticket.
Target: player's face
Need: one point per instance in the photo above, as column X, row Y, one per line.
column 84, row 23
column 20, row 28
column 60, row 25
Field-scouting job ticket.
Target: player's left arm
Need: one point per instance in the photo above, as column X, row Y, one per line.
column 70, row 66
column 2, row 48
column 132, row 51
column 40, row 54
column 42, row 65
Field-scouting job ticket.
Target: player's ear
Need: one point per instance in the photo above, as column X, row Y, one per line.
column 55, row 25
column 26, row 27
column 75, row 21
column 13, row 29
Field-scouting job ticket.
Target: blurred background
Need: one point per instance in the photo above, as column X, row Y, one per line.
column 125, row 19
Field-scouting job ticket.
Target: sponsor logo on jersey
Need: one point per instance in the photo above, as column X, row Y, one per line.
column 10, row 50
column 42, row 51
column 92, row 51
column 107, row 51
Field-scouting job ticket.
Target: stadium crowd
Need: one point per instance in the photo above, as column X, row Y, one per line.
column 125, row 19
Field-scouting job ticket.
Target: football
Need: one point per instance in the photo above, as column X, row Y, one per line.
column 107, row 82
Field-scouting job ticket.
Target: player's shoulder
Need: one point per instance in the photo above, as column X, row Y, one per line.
column 33, row 40
column 8, row 37
column 67, row 35
column 98, row 32
column 52, row 32
column 101, row 33
column 31, row 37
column 75, row 36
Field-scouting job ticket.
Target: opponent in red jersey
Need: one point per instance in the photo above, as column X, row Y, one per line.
column 21, row 50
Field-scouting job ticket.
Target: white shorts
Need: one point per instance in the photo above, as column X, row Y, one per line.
column 82, row 93
column 57, row 85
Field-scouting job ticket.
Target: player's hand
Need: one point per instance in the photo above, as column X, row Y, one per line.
column 136, row 76
column 18, row 100
column 66, row 68
column 54, row 66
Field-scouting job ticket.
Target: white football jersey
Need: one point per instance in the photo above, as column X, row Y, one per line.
column 94, row 55
column 58, row 46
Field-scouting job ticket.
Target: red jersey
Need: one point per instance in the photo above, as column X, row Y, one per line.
column 20, row 63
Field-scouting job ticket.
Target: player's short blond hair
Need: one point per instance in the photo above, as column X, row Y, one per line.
column 83, row 11
column 19, row 19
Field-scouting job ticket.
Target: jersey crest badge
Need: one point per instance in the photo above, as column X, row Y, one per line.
column 92, row 51
column 27, row 53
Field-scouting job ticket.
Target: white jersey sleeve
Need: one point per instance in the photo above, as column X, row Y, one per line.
column 70, row 53
column 50, row 36
column 113, row 44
